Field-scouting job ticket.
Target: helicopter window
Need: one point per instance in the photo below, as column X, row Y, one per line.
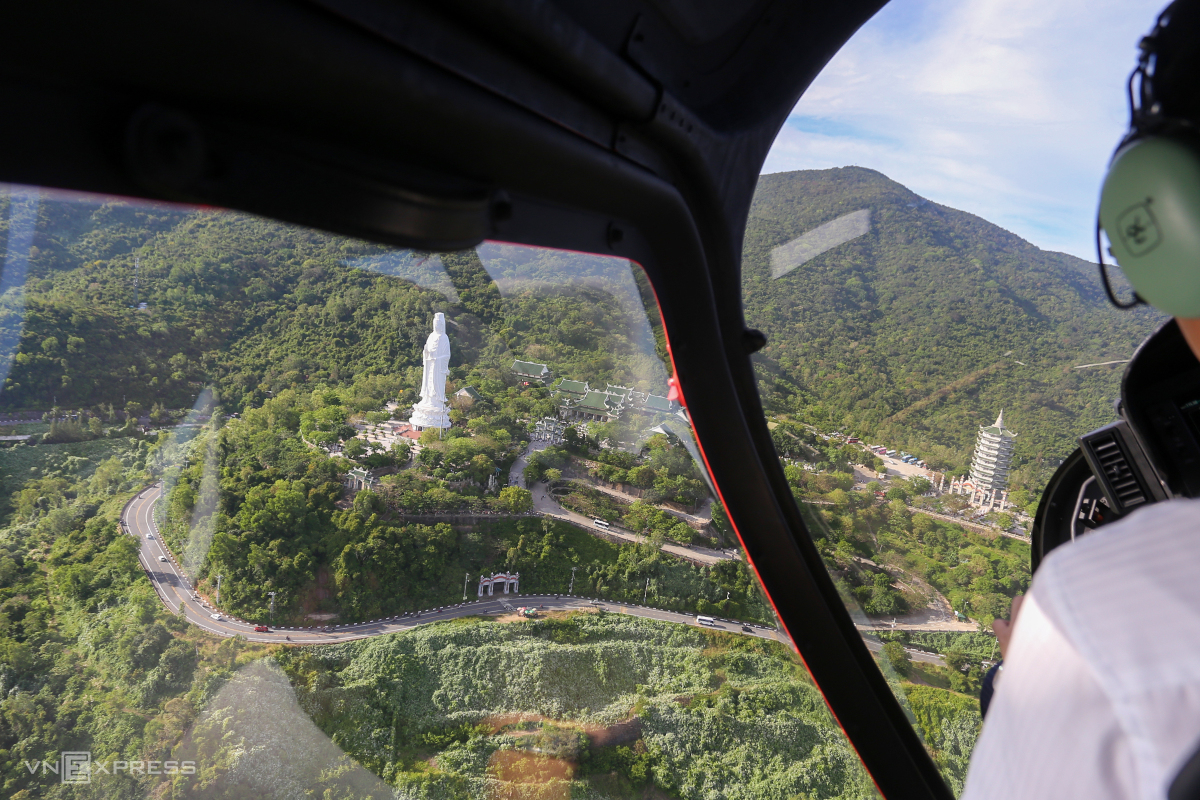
column 324, row 516
column 925, row 370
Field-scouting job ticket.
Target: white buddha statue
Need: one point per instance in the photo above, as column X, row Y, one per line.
column 430, row 412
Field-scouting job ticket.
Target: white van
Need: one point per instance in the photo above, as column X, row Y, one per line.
column 705, row 621
column 599, row 523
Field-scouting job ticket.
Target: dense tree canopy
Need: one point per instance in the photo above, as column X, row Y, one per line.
column 924, row 328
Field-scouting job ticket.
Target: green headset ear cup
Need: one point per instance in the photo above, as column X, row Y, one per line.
column 1150, row 209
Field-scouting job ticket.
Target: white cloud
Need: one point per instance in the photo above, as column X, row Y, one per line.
column 1008, row 109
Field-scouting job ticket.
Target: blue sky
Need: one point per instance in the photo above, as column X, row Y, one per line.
column 1008, row 109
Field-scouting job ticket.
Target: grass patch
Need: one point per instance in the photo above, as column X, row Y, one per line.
column 24, row 428
column 949, row 723
column 593, row 503
column 930, row 675
column 590, row 703
column 72, row 460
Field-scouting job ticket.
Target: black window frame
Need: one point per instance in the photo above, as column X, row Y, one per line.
column 599, row 142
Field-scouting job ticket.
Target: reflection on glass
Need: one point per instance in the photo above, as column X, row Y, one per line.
column 253, row 738
column 804, row 248
column 22, row 212
column 422, row 269
column 231, row 537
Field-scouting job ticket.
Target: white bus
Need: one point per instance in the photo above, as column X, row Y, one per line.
column 599, row 523
column 705, row 621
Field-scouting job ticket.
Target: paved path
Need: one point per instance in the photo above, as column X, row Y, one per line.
column 7, row 418
column 937, row 616
column 545, row 505
column 699, row 519
column 516, row 474
column 174, row 590
column 965, row 524
column 916, row 655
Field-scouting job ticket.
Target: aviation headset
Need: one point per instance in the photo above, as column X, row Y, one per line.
column 1150, row 200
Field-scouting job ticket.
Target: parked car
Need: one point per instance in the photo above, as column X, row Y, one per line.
column 261, row 629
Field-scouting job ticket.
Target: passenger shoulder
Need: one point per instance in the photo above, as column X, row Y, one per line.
column 1148, row 560
column 1139, row 536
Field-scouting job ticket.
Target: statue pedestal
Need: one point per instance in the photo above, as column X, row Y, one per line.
column 429, row 417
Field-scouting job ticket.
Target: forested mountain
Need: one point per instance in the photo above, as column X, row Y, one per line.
column 914, row 333
column 926, row 326
column 253, row 307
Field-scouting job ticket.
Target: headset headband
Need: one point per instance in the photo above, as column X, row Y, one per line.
column 1145, row 118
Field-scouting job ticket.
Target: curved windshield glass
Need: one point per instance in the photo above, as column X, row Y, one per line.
column 926, row 368
column 286, row 514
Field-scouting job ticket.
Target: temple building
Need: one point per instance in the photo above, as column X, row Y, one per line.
column 570, row 390
column 597, row 405
column 467, row 394
column 652, row 403
column 993, row 457
column 530, row 372
column 578, row 401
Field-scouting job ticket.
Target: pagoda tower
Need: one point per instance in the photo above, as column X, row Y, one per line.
column 993, row 457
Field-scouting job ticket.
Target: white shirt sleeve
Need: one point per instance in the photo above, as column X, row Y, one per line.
column 1051, row 732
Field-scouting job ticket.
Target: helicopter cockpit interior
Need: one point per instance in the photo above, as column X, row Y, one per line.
column 1151, row 453
column 631, row 131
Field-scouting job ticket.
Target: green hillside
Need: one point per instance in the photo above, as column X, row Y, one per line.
column 254, row 307
column 230, row 299
column 928, row 325
column 273, row 523
column 593, row 705
column 914, row 333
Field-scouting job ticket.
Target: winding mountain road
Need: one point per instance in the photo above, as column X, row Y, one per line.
column 545, row 505
column 174, row 590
